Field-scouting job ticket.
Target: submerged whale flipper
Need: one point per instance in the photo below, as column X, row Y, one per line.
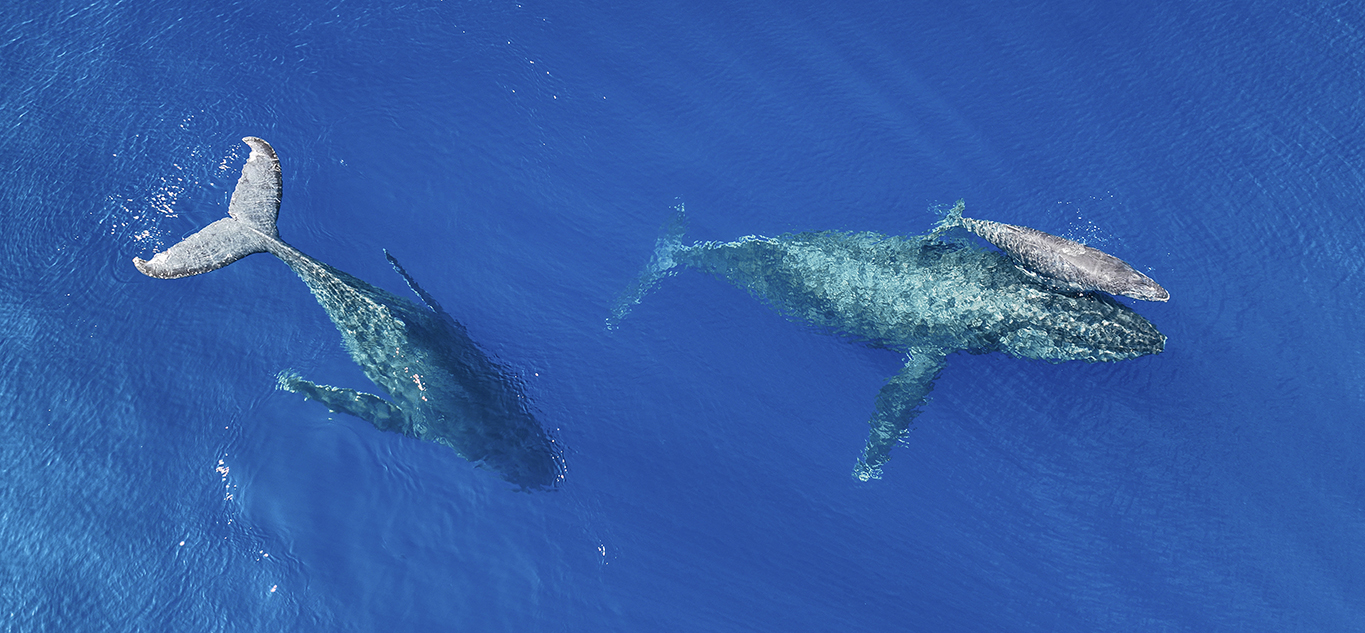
column 412, row 283
column 897, row 406
column 252, row 213
column 366, row 406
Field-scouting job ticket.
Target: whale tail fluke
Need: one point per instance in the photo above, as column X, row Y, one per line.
column 213, row 247
column 660, row 265
column 952, row 220
column 248, row 229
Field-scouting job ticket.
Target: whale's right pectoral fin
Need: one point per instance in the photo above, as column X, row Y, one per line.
column 897, row 406
column 366, row 406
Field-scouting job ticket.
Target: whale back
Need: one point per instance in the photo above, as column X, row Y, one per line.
column 905, row 292
column 450, row 391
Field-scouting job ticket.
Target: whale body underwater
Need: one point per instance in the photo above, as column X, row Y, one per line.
column 925, row 296
column 442, row 387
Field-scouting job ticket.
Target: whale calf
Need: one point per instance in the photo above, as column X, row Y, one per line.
column 442, row 387
column 1068, row 265
column 920, row 295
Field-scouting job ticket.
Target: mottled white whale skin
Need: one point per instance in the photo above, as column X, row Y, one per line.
column 920, row 295
column 1066, row 264
column 442, row 387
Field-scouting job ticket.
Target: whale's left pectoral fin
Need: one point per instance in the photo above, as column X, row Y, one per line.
column 366, row 406
column 897, row 406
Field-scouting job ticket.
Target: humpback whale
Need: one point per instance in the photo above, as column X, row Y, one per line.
column 1067, row 265
column 921, row 295
column 442, row 387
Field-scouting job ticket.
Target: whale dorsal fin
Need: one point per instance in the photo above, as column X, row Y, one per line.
column 412, row 283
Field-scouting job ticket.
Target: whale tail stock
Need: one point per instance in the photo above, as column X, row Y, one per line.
column 249, row 227
column 661, row 264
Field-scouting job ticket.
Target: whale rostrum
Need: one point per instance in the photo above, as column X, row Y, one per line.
column 924, row 296
column 442, row 387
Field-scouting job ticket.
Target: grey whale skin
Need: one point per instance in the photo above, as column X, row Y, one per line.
column 921, row 295
column 1068, row 265
column 443, row 388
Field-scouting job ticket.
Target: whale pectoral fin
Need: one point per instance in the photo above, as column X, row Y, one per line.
column 897, row 406
column 366, row 406
column 412, row 283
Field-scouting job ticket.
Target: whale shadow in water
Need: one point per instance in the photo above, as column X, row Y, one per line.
column 442, row 387
column 925, row 296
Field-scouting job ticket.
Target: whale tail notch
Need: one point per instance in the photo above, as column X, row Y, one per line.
column 660, row 265
column 248, row 229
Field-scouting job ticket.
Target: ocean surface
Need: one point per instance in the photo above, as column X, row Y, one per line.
column 520, row 158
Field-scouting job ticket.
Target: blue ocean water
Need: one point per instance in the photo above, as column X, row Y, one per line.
column 520, row 157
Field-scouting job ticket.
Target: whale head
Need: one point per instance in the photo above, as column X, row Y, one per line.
column 1060, row 327
column 1140, row 286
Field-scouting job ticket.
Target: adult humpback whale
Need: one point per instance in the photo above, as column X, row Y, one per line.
column 920, row 295
column 442, row 387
